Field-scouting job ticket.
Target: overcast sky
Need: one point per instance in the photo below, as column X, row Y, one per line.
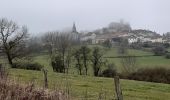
column 48, row 15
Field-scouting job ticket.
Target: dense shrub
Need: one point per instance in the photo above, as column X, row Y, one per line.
column 136, row 46
column 166, row 45
column 27, row 65
column 57, row 64
column 147, row 45
column 129, row 63
column 109, row 72
column 167, row 56
column 159, row 51
column 160, row 75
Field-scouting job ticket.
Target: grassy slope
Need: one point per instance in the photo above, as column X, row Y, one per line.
column 150, row 61
column 169, row 49
column 132, row 90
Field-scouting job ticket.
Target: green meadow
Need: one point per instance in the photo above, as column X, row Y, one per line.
column 91, row 87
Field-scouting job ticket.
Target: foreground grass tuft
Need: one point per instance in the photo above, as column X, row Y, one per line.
column 11, row 90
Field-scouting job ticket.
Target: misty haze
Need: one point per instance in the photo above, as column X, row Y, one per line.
column 84, row 50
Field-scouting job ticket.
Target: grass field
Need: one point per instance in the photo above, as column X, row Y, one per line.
column 169, row 49
column 132, row 90
column 147, row 61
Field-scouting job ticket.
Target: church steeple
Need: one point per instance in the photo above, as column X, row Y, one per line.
column 74, row 30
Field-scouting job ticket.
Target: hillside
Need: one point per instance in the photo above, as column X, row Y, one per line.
column 146, row 60
column 132, row 90
column 78, row 85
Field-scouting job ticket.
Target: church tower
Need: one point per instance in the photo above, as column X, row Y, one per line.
column 74, row 30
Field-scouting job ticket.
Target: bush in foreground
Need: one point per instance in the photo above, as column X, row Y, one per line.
column 167, row 56
column 10, row 90
column 160, row 75
column 110, row 71
column 58, row 63
column 27, row 65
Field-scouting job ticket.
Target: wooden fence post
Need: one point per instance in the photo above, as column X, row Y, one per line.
column 45, row 78
column 3, row 72
column 119, row 95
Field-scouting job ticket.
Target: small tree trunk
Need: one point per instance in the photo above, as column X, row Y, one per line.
column 80, row 72
column 86, row 71
column 9, row 59
column 1, row 71
column 96, row 71
column 119, row 95
column 68, row 65
column 96, row 74
column 45, row 78
column 63, row 57
column 85, row 64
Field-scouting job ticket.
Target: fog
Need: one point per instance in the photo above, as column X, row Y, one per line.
column 46, row 15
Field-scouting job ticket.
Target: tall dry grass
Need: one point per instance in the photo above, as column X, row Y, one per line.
column 12, row 90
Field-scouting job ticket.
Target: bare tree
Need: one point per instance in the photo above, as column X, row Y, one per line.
column 68, row 59
column 63, row 42
column 12, row 39
column 60, row 43
column 79, row 65
column 97, row 61
column 129, row 63
column 85, row 51
column 49, row 41
column 57, row 63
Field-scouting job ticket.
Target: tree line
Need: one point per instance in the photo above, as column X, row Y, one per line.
column 63, row 48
